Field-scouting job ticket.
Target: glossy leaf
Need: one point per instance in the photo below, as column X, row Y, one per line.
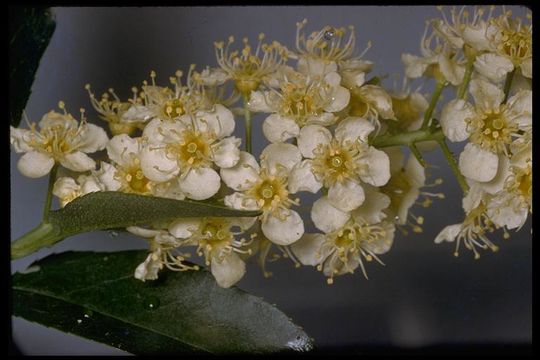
column 30, row 30
column 94, row 295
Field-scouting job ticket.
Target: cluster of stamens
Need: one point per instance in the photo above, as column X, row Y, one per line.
column 491, row 130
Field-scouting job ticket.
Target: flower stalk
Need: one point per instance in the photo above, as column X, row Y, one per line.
column 48, row 200
column 433, row 103
column 466, row 78
column 247, row 122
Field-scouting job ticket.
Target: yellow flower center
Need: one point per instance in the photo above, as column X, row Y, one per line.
column 173, row 108
column 194, row 149
column 405, row 112
column 299, row 101
column 519, row 183
column 516, row 43
column 133, row 179
column 491, row 131
column 337, row 162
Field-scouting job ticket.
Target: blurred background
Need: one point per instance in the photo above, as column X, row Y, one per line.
column 423, row 296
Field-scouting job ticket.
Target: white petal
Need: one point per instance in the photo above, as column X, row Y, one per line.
column 34, row 164
column 220, row 120
column 148, row 270
column 346, row 196
column 326, row 217
column 473, row 198
column 311, row 136
column 262, row 101
column 307, row 249
column 16, row 138
column 156, row 165
column 451, row 70
column 123, row 149
column 283, row 231
column 213, row 76
column 493, row 66
column 301, row 178
column 383, row 244
column 228, row 270
column 184, row 228
column 476, row 36
column 379, row 98
column 353, row 128
column 243, row 175
column 378, row 171
column 279, row 129
column 485, row 94
column 106, row 176
column 78, row 161
column 137, row 113
column 315, row 67
column 449, row 233
column 414, row 65
column 506, row 212
column 169, row 189
column 281, row 154
column 200, row 184
column 340, row 99
column 324, row 119
column 521, row 105
column 526, row 68
column 497, row 183
column 226, row 153
column 94, row 139
column 159, row 132
column 143, row 232
column 453, row 118
column 478, row 164
column 89, row 184
column 65, row 187
column 332, row 78
column 241, row 201
column 371, row 210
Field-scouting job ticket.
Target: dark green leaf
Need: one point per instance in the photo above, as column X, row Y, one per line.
column 30, row 30
column 95, row 295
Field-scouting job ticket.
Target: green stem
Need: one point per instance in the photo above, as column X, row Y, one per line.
column 417, row 154
column 453, row 165
column 43, row 235
column 508, row 84
column 466, row 78
column 247, row 119
column 432, row 103
column 48, row 200
column 407, row 138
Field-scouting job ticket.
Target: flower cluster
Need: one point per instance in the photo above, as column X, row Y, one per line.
column 333, row 131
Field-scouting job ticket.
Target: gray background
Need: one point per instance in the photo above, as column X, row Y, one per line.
column 423, row 296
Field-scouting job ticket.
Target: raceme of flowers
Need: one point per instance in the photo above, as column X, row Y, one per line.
column 323, row 116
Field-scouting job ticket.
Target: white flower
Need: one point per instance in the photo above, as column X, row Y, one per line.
column 371, row 102
column 490, row 126
column 343, row 162
column 191, row 147
column 61, row 139
column 437, row 60
column 267, row 188
column 472, row 231
column 300, row 101
column 68, row 189
column 215, row 240
column 512, row 203
column 409, row 108
column 404, row 186
column 162, row 247
column 248, row 68
column 348, row 238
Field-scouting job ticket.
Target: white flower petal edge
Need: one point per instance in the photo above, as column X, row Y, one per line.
column 478, row 164
column 283, row 232
column 378, row 170
column 453, row 118
column 346, row 196
column 184, row 228
column 277, row 128
column 280, row 154
column 312, row 136
column 78, row 161
column 493, row 66
column 226, row 153
column 243, row 175
column 353, row 129
column 34, row 164
column 200, row 184
column 307, row 249
column 228, row 270
column 302, row 178
column 449, row 233
column 326, row 217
